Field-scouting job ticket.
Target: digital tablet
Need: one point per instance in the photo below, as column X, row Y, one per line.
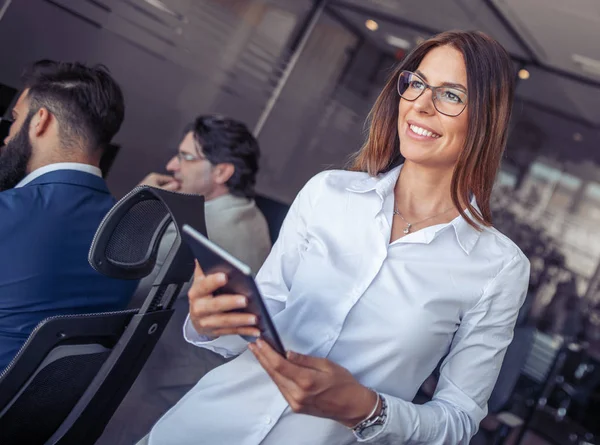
column 213, row 259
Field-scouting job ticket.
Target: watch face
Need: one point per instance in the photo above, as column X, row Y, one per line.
column 373, row 421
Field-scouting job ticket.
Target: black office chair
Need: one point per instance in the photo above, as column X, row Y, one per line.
column 511, row 370
column 274, row 211
column 536, row 369
column 70, row 376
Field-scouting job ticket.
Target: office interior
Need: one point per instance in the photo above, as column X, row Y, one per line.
column 303, row 75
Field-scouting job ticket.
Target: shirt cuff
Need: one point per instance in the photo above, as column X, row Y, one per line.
column 227, row 345
column 370, row 435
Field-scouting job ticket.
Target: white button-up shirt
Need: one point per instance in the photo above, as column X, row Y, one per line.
column 388, row 312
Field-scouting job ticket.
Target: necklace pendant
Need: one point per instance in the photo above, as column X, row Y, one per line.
column 407, row 229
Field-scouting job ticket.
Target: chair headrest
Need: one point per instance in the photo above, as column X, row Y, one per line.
column 126, row 243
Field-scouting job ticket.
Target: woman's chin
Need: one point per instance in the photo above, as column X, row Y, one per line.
column 416, row 155
column 425, row 160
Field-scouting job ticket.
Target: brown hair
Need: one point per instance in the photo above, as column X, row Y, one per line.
column 491, row 84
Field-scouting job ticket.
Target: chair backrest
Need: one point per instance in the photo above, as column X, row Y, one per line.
column 40, row 388
column 274, row 211
column 515, row 356
column 70, row 376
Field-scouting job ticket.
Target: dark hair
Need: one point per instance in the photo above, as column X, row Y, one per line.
column 225, row 140
column 491, row 84
column 86, row 101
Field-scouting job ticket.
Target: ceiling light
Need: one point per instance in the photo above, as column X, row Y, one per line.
column 587, row 64
column 577, row 137
column 372, row 25
column 523, row 74
column 419, row 40
column 397, row 42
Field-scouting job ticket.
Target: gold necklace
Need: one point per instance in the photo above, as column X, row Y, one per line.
column 409, row 225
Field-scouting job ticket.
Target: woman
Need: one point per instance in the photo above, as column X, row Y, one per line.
column 378, row 274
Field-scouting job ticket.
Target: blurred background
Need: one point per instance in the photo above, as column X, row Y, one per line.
column 304, row 74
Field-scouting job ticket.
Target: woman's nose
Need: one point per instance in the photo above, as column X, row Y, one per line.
column 424, row 103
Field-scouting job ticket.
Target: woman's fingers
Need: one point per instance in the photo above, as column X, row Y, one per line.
column 211, row 315
column 245, row 330
column 198, row 272
column 201, row 307
column 227, row 320
column 205, row 285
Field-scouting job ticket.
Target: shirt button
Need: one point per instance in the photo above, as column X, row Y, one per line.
column 267, row 420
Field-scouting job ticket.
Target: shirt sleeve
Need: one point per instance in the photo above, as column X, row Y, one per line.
column 469, row 372
column 275, row 277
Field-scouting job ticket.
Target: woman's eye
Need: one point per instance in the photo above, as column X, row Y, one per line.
column 449, row 96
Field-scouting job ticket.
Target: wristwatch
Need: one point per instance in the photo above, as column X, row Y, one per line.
column 373, row 420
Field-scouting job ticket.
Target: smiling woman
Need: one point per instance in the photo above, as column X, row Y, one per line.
column 473, row 71
column 377, row 274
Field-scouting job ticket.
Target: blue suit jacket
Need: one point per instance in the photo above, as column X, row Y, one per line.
column 46, row 229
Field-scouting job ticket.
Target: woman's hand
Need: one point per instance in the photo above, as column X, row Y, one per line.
column 316, row 386
column 210, row 314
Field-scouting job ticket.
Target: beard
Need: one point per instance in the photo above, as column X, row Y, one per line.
column 14, row 157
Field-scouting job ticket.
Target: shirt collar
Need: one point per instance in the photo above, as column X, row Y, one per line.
column 466, row 235
column 384, row 183
column 86, row 168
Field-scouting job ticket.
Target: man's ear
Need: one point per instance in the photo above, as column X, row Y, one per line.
column 222, row 172
column 40, row 122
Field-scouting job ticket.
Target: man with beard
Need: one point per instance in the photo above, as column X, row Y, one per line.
column 52, row 199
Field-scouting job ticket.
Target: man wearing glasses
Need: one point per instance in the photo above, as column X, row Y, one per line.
column 218, row 158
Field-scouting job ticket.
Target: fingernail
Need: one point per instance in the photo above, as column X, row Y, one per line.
column 222, row 278
column 241, row 301
column 251, row 347
column 291, row 355
column 254, row 319
column 259, row 343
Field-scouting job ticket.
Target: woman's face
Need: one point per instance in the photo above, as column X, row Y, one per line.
column 440, row 149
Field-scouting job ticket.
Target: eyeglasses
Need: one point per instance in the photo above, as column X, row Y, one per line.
column 188, row 157
column 447, row 100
